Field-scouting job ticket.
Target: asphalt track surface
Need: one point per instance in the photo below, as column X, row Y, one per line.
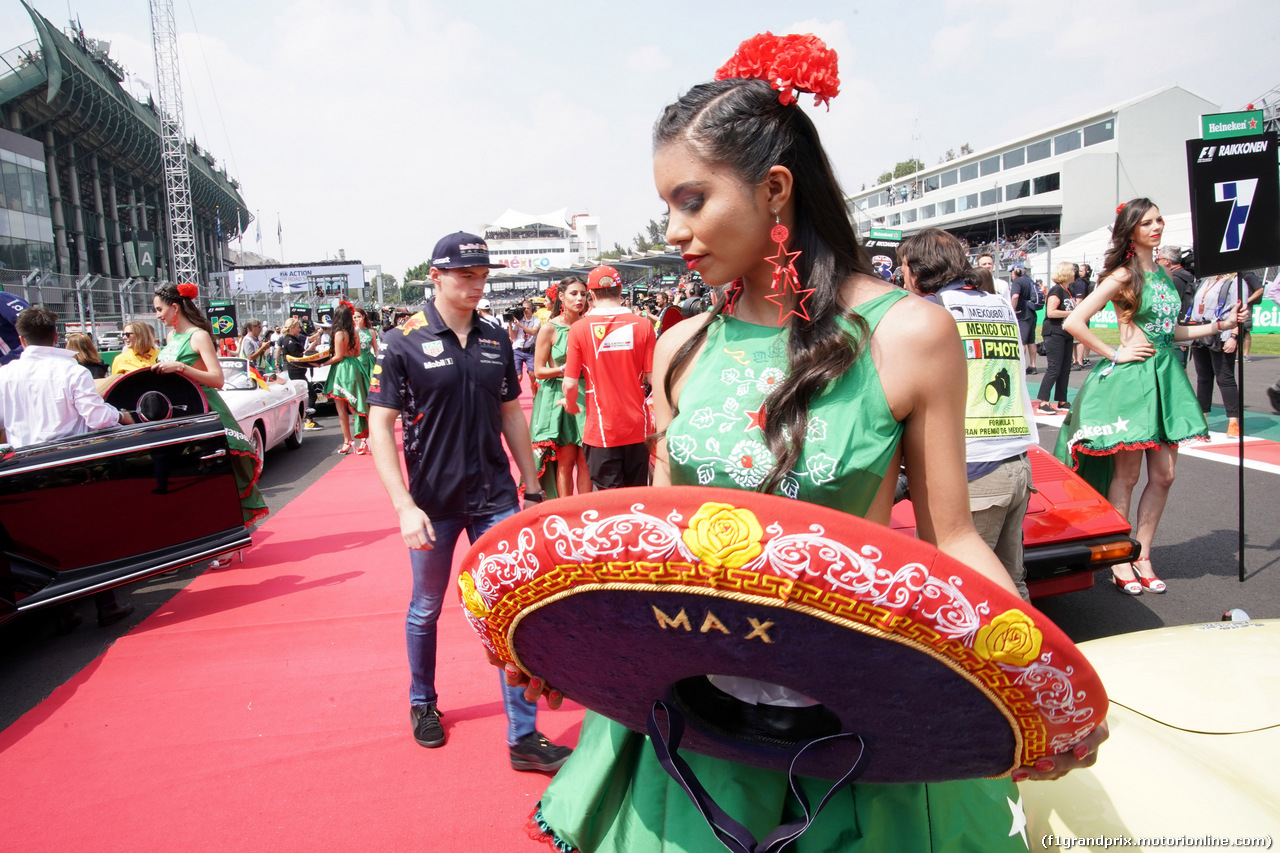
column 1195, row 552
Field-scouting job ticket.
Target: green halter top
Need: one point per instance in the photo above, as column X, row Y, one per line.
column 716, row 439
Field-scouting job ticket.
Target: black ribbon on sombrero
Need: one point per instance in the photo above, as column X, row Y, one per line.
column 624, row 598
column 733, row 835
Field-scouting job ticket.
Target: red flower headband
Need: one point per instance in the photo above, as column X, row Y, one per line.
column 350, row 307
column 189, row 291
column 790, row 64
column 1120, row 206
column 552, row 292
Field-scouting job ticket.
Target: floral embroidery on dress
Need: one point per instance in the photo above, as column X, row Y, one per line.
column 747, row 461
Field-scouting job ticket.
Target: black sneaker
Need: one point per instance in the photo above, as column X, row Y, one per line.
column 427, row 730
column 535, row 752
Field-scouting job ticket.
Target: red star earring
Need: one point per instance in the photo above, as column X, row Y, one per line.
column 785, row 276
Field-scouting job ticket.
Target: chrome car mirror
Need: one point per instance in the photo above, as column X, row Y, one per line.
column 154, row 406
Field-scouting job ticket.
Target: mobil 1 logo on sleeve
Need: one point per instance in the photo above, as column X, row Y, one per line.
column 1235, row 202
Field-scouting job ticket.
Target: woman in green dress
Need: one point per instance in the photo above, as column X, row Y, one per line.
column 1138, row 404
column 368, row 354
column 556, row 434
column 190, row 351
column 348, row 382
column 799, row 390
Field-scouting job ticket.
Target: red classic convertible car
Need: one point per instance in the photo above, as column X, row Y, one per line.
column 110, row 507
column 1070, row 530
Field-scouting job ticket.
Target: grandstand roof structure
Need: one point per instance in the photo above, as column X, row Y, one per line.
column 88, row 157
column 62, row 83
column 514, row 220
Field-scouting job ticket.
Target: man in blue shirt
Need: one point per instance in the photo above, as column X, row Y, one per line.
column 451, row 378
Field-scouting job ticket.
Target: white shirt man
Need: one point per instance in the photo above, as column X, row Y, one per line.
column 46, row 394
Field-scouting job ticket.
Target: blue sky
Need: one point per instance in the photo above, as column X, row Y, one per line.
column 378, row 127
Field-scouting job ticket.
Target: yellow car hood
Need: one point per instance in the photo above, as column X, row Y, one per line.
column 1216, row 678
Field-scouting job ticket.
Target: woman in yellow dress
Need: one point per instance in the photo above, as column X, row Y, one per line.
column 140, row 349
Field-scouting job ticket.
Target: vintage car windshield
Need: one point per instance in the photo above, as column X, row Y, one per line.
column 236, row 375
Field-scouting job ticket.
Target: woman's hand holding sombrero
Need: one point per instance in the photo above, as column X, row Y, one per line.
column 534, row 687
column 1057, row 766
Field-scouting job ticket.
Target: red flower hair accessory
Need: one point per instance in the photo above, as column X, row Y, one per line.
column 790, row 64
column 189, row 291
column 349, row 306
column 552, row 291
column 1120, row 206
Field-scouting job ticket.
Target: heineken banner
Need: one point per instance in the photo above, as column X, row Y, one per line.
column 882, row 246
column 1235, row 195
column 301, row 310
column 146, row 243
column 222, row 314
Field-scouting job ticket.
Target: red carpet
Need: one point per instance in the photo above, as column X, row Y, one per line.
column 266, row 707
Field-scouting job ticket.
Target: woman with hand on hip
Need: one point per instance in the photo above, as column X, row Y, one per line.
column 1138, row 404
column 191, row 352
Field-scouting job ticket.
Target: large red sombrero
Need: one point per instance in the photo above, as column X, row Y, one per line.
column 625, row 597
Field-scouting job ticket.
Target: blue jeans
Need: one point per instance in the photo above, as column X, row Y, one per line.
column 431, row 570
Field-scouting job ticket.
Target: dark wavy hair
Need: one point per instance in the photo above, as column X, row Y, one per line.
column 741, row 124
column 557, row 305
column 1121, row 253
column 936, row 259
column 344, row 321
column 169, row 295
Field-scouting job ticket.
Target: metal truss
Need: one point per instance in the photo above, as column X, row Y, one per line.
column 177, row 180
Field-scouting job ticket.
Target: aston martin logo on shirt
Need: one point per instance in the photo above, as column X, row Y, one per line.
column 609, row 340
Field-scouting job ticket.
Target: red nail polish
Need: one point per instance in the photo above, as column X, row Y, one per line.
column 1044, row 765
column 1081, row 751
column 1021, row 775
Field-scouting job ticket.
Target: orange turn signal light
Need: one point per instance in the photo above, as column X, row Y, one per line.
column 1111, row 551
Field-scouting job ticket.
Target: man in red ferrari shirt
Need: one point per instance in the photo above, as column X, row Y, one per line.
column 614, row 349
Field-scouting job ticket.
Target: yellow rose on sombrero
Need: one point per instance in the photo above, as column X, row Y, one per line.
column 724, row 536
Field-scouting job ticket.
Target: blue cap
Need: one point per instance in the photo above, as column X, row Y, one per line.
column 461, row 249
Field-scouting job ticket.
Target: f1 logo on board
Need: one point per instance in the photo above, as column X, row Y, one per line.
column 1206, row 153
column 1240, row 194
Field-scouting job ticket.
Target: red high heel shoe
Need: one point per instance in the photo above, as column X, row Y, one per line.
column 1150, row 584
column 1133, row 586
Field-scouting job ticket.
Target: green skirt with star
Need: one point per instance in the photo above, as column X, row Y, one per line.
column 613, row 795
column 1139, row 404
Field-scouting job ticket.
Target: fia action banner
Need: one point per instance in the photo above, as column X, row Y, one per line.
column 1235, row 202
column 222, row 314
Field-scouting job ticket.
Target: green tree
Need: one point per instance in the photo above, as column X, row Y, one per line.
column 885, row 177
column 658, row 231
column 642, row 242
column 965, row 149
column 421, row 272
column 907, row 167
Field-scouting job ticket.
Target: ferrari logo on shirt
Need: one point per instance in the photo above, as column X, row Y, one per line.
column 433, row 349
column 609, row 340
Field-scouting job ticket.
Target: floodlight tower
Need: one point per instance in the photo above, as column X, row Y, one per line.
column 177, row 179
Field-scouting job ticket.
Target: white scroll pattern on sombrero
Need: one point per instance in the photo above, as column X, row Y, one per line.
column 909, row 590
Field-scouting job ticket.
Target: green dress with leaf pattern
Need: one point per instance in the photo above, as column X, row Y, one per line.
column 614, row 795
